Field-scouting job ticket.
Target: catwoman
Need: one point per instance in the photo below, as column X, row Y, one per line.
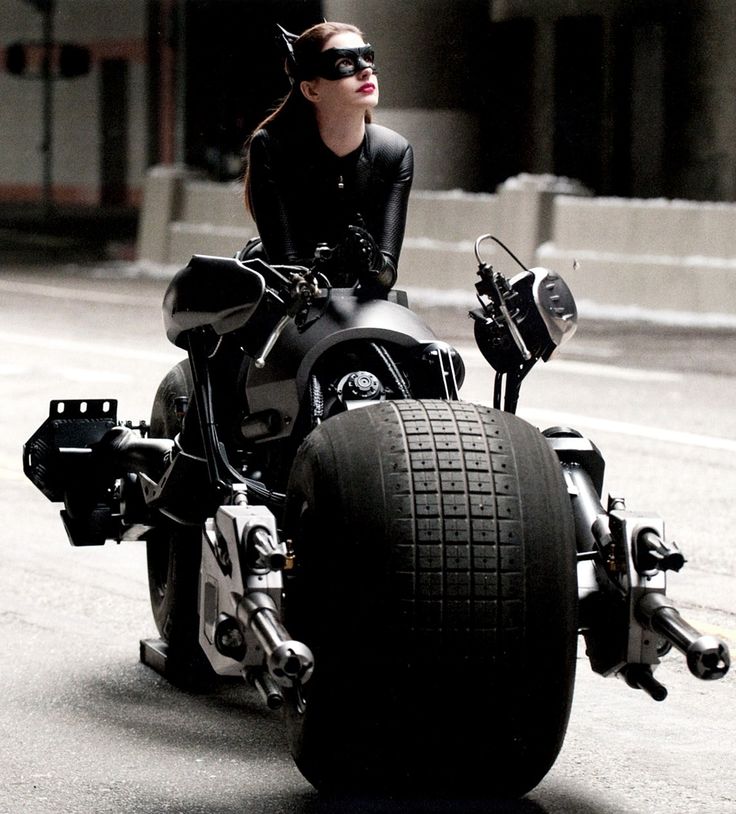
column 334, row 63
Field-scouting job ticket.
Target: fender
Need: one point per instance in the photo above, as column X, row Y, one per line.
column 219, row 292
column 284, row 378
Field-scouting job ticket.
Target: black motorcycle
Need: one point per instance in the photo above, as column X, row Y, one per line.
column 404, row 573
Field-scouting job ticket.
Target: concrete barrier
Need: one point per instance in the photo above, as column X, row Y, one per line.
column 184, row 214
column 641, row 255
column 650, row 255
column 442, row 228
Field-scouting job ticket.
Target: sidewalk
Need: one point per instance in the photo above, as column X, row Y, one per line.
column 33, row 234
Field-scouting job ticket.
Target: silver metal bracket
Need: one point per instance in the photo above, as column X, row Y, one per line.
column 643, row 646
column 225, row 579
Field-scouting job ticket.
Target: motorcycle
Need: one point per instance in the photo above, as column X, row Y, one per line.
column 403, row 573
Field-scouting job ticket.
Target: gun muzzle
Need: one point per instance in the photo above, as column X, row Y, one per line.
column 708, row 658
column 288, row 660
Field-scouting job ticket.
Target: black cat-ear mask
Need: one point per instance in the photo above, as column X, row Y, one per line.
column 334, row 63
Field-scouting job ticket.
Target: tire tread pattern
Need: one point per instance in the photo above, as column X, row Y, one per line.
column 459, row 569
column 440, row 546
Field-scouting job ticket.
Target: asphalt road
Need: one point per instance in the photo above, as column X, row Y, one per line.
column 85, row 728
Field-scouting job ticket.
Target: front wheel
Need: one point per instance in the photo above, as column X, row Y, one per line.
column 435, row 583
column 173, row 553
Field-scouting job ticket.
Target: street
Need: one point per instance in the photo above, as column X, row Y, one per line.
column 85, row 727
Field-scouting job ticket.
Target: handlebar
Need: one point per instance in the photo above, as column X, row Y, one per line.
column 513, row 330
column 491, row 277
column 489, row 286
column 297, row 296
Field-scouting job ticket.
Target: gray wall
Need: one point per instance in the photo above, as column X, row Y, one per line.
column 113, row 29
column 668, row 85
column 655, row 255
column 428, row 82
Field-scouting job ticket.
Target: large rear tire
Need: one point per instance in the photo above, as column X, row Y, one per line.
column 435, row 583
column 173, row 553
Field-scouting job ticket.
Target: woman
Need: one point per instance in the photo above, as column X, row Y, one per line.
column 320, row 173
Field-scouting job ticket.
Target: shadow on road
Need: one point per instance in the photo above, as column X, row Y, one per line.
column 230, row 723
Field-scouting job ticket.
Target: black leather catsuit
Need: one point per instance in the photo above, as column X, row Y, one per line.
column 303, row 194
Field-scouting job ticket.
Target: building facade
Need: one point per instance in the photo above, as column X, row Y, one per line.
column 632, row 97
column 87, row 136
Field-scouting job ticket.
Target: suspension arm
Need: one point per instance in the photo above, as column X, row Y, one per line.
column 623, row 559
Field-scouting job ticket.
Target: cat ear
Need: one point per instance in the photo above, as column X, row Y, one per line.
column 288, row 39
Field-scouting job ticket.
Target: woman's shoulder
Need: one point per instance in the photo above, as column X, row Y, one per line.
column 269, row 142
column 384, row 141
column 286, row 140
column 258, row 141
column 269, row 137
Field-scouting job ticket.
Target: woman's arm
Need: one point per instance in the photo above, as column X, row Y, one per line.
column 268, row 202
column 398, row 172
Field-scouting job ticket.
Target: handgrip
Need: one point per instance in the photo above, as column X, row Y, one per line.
column 514, row 331
column 509, row 320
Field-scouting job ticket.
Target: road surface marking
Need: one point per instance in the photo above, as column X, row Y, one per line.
column 532, row 414
column 72, row 374
column 76, row 346
column 554, row 418
column 713, row 630
column 474, row 358
column 77, row 294
column 6, row 473
column 630, row 374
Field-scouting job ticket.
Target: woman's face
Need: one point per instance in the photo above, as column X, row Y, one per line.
column 359, row 91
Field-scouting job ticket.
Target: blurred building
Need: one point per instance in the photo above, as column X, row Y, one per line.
column 632, row 97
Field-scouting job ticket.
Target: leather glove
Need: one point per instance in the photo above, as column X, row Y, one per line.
column 359, row 254
column 359, row 251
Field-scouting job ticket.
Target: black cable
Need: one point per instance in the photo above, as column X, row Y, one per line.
column 399, row 380
column 509, row 252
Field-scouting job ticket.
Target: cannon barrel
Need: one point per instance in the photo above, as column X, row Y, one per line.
column 708, row 658
column 288, row 661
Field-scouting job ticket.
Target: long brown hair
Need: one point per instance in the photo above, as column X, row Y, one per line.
column 294, row 113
